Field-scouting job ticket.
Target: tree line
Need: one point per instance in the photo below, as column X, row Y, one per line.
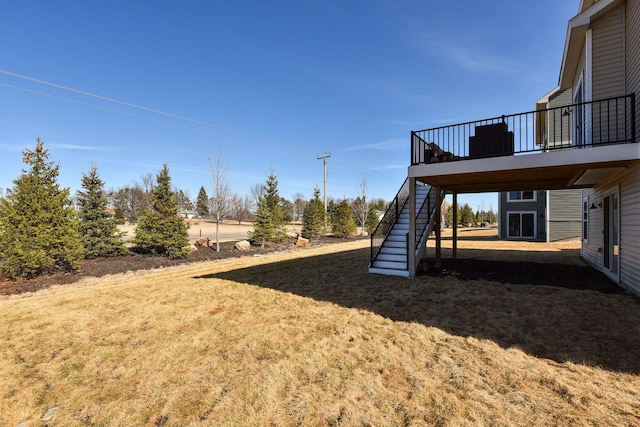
column 44, row 229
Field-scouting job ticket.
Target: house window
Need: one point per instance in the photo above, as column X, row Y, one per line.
column 522, row 196
column 521, row 225
column 585, row 219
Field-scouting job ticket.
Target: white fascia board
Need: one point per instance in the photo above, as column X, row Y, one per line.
column 542, row 102
column 580, row 20
column 589, row 155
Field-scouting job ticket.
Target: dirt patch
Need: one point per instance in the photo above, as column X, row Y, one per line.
column 569, row 276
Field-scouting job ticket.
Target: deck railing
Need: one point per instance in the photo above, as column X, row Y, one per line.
column 607, row 121
column 388, row 219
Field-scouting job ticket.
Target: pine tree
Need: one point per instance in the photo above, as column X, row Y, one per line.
column 372, row 219
column 38, row 226
column 269, row 224
column 263, row 229
column 313, row 217
column 343, row 223
column 98, row 228
column 160, row 230
column 202, row 203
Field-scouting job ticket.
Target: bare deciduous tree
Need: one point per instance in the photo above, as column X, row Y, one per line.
column 220, row 201
column 360, row 205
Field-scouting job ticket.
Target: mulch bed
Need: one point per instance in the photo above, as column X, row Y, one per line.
column 99, row 267
column 527, row 273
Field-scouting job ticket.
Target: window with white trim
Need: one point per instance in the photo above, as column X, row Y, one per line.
column 522, row 196
column 521, row 225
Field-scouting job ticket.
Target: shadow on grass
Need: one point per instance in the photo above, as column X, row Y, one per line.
column 554, row 322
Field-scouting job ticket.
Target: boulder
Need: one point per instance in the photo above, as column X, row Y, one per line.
column 202, row 241
column 302, row 242
column 243, row 245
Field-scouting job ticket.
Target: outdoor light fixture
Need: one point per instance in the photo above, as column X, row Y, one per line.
column 595, row 206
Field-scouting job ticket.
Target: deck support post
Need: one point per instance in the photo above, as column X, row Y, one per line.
column 411, row 236
column 438, row 227
column 454, row 236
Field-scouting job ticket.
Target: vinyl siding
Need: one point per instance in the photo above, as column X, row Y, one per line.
column 630, row 231
column 565, row 214
column 608, row 70
column 559, row 126
column 632, row 46
column 608, row 55
column 592, row 247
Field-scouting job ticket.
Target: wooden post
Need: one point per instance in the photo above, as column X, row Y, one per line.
column 438, row 227
column 454, row 237
column 411, row 236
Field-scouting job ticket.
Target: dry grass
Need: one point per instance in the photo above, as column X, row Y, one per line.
column 310, row 338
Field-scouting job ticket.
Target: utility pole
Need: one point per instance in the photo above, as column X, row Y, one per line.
column 324, row 159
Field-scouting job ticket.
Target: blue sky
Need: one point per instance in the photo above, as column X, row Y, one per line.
column 271, row 85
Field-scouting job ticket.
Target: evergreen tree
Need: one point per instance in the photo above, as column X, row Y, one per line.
column 160, row 230
column 38, row 226
column 372, row 219
column 313, row 217
column 263, row 229
column 466, row 215
column 202, row 203
column 118, row 215
column 98, row 228
column 343, row 223
column 269, row 224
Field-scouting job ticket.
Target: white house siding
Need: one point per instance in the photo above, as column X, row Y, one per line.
column 564, row 219
column 630, row 231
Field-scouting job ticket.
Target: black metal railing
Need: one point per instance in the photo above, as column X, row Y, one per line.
column 388, row 219
column 423, row 216
column 607, row 121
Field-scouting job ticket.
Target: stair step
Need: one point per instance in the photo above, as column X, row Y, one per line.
column 390, row 265
column 389, row 272
column 391, row 258
column 393, row 250
column 395, row 244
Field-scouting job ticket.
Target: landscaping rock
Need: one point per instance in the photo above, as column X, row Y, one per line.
column 243, row 245
column 302, row 242
column 203, row 241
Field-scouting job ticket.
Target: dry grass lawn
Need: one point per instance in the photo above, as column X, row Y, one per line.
column 310, row 338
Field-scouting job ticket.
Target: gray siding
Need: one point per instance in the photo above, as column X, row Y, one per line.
column 630, row 231
column 592, row 246
column 632, row 46
column 608, row 69
column 537, row 207
column 559, row 126
column 608, row 55
column 564, row 214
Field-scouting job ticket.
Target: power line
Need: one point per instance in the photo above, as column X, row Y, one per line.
column 158, row 112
